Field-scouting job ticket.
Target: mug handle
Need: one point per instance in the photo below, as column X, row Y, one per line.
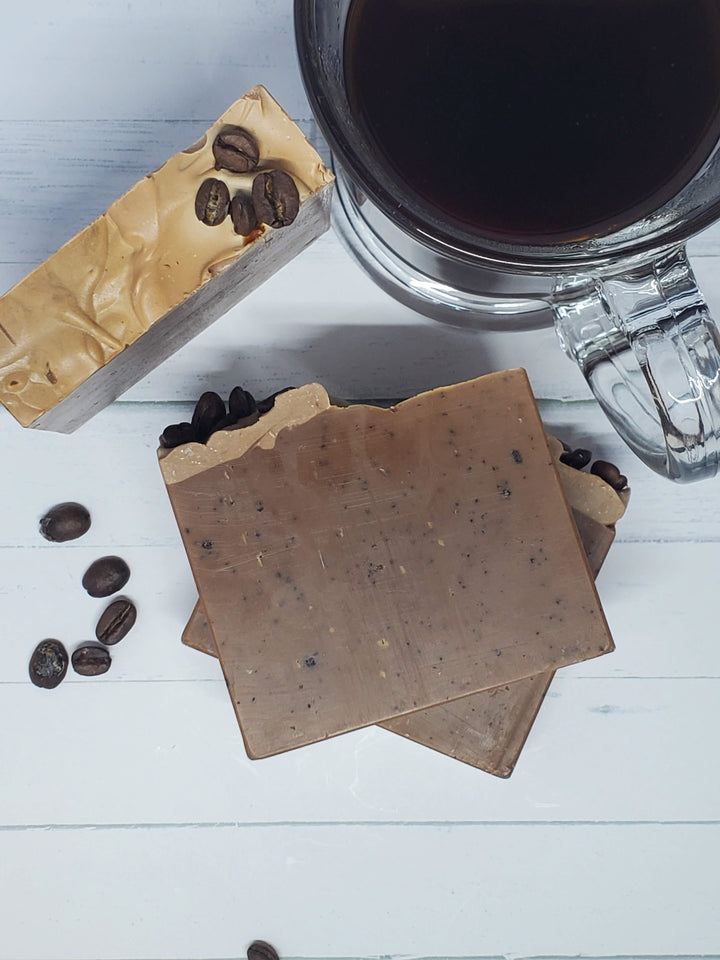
column 650, row 352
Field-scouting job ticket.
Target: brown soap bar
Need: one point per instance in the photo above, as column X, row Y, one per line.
column 357, row 564
column 151, row 273
column 486, row 730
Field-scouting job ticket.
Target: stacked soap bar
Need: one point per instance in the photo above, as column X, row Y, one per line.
column 358, row 565
column 167, row 258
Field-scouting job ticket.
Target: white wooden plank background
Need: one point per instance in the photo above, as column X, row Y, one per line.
column 132, row 825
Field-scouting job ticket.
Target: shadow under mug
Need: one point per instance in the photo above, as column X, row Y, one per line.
column 626, row 305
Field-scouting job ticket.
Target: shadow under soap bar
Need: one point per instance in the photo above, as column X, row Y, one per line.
column 358, row 564
column 148, row 275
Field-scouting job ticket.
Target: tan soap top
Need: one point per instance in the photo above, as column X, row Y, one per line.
column 359, row 563
column 142, row 259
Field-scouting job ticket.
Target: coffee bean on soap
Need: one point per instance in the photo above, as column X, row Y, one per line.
column 275, row 198
column 176, row 434
column 65, row 521
column 577, row 459
column 209, row 410
column 241, row 403
column 106, row 576
column 91, row 660
column 260, row 950
column 48, row 664
column 227, row 421
column 235, row 149
column 116, row 621
column 243, row 216
column 610, row 474
column 212, row 201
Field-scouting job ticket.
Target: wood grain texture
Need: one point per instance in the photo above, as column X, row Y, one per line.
column 132, row 825
column 198, row 893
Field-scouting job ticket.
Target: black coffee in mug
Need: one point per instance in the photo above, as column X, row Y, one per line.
column 536, row 121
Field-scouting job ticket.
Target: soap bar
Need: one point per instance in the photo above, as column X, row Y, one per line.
column 152, row 272
column 488, row 729
column 357, row 564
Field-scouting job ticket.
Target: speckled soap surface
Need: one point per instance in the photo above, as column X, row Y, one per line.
column 366, row 563
column 486, row 729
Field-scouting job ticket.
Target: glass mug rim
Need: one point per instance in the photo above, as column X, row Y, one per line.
column 596, row 252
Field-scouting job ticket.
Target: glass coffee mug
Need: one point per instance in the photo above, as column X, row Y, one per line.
column 625, row 302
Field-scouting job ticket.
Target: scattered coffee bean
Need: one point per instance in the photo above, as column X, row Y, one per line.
column 260, row 950
column 48, row 664
column 116, row 621
column 235, row 149
column 212, row 201
column 243, row 216
column 65, row 521
column 91, row 660
column 178, row 433
column 609, row 473
column 241, row 403
column 106, row 576
column 275, row 198
column 577, row 459
column 209, row 410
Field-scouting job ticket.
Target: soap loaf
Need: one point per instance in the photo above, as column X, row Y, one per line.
column 167, row 258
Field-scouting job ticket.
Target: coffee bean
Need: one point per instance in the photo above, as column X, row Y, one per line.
column 242, row 214
column 106, row 576
column 275, row 198
column 260, row 950
column 178, row 433
column 577, row 459
column 235, row 149
column 65, row 521
column 209, row 410
column 241, row 403
column 609, row 473
column 91, row 660
column 227, row 421
column 212, row 201
column 116, row 621
column 48, row 664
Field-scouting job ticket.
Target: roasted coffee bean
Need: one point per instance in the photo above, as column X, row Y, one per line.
column 235, row 149
column 212, row 201
column 106, row 576
column 227, row 421
column 116, row 621
column 65, row 521
column 577, row 459
column 209, row 410
column 178, row 433
column 48, row 664
column 260, row 950
column 91, row 660
column 275, row 198
column 241, row 403
column 609, row 473
column 242, row 214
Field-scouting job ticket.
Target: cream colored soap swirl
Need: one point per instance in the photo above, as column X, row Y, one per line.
column 143, row 257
